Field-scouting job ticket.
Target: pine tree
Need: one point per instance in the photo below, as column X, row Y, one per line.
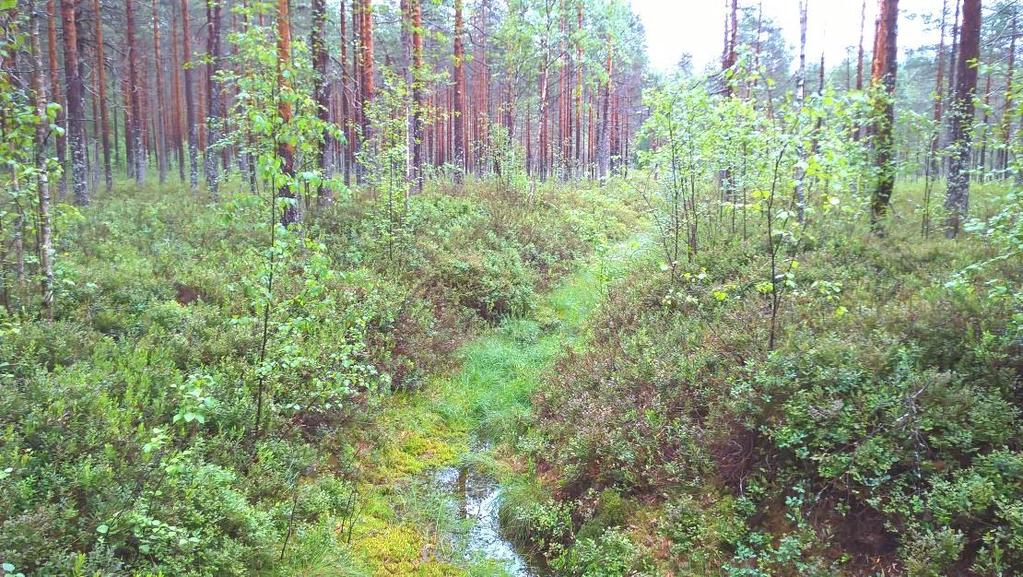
column 321, row 94
column 883, row 86
column 75, row 102
column 961, row 111
column 285, row 149
column 190, row 116
column 214, row 96
column 133, row 99
column 459, row 95
column 101, row 81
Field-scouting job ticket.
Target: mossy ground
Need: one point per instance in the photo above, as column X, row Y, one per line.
column 404, row 526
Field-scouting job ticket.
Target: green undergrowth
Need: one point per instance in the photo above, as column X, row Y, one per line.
column 880, row 435
column 130, row 436
column 485, row 399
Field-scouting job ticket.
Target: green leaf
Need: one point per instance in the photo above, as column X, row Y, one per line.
column 102, row 529
column 8, row 568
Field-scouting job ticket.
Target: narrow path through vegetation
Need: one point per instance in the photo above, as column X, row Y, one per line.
column 433, row 504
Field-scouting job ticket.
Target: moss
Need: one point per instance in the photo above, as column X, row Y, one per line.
column 401, row 550
column 399, row 530
column 611, row 511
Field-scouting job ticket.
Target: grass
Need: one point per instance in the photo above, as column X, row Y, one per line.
column 406, row 527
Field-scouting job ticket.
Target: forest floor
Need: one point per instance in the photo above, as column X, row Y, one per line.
column 431, row 503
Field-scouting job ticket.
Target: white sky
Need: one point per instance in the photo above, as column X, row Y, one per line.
column 674, row 27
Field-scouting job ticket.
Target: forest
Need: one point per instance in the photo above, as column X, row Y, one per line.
column 472, row 288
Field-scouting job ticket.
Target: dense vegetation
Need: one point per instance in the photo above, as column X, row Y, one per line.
column 130, row 422
column 880, row 434
column 714, row 323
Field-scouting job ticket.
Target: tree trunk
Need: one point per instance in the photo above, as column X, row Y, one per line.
column 957, row 198
column 800, row 191
column 284, row 149
column 104, row 114
column 61, row 141
column 981, row 160
column 321, row 94
column 543, row 121
column 345, row 119
column 939, row 83
column 603, row 136
column 134, row 96
column 160, row 117
column 459, row 104
column 949, row 94
column 176, row 89
column 214, row 99
column 579, row 70
column 190, row 116
column 75, row 102
column 368, row 80
column 730, row 57
column 1007, row 103
column 418, row 106
column 357, row 110
column 405, row 8
column 883, row 74
column 42, row 174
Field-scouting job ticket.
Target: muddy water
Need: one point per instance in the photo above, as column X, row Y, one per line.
column 477, row 498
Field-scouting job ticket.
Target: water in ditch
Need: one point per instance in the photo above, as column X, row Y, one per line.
column 477, row 498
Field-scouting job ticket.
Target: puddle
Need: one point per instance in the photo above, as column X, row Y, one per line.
column 478, row 498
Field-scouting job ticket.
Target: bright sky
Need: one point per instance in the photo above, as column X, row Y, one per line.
column 674, row 27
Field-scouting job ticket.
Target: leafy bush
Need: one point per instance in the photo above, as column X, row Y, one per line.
column 890, row 396
column 612, row 554
column 130, row 421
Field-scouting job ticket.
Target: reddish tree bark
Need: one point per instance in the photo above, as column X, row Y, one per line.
column 214, row 98
column 366, row 43
column 459, row 96
column 55, row 92
column 957, row 198
column 284, row 149
column 579, row 69
column 134, row 97
column 178, row 133
column 345, row 121
column 75, row 102
column 101, row 80
column 320, row 91
column 417, row 90
column 160, row 136
column 190, row 116
column 883, row 80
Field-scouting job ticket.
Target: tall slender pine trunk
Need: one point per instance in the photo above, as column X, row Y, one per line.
column 883, row 84
column 101, row 81
column 190, row 116
column 75, row 102
column 459, row 96
column 42, row 169
column 957, row 197
column 321, row 94
column 133, row 95
column 214, row 98
column 285, row 149
column 160, row 118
